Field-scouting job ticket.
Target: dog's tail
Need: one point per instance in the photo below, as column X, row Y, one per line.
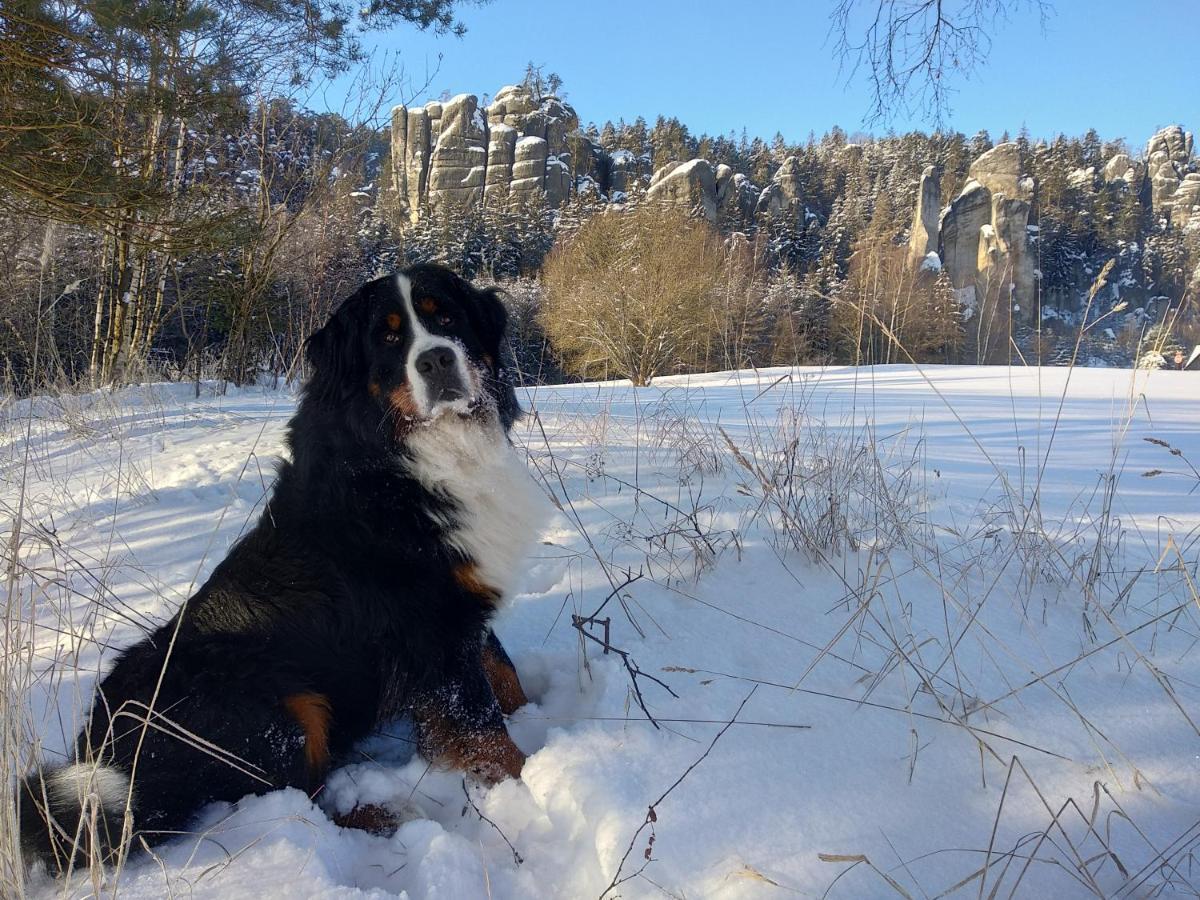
column 72, row 815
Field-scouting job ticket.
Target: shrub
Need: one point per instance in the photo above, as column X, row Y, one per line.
column 632, row 294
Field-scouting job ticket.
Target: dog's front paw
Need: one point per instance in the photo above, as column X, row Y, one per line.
column 382, row 819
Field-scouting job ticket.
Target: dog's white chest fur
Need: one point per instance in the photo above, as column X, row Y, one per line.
column 500, row 509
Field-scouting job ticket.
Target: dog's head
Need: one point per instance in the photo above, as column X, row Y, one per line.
column 417, row 345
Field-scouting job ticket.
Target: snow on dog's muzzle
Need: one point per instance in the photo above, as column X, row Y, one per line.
column 442, row 377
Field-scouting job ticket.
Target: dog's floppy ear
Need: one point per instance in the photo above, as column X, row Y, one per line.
column 491, row 322
column 491, row 317
column 335, row 350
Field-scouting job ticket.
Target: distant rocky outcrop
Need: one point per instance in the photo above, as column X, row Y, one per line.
column 923, row 236
column 737, row 196
column 458, row 159
column 457, row 154
column 783, row 198
column 1173, row 176
column 982, row 236
column 1168, row 161
column 692, row 185
column 524, row 146
column 1122, row 167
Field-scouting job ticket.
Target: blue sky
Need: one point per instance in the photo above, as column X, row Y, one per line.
column 1124, row 67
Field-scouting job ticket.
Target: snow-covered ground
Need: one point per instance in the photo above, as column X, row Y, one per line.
column 954, row 619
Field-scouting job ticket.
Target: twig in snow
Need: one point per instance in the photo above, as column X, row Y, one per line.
column 652, row 814
column 517, row 858
column 581, row 622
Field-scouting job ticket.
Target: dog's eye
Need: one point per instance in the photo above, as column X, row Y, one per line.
column 391, row 338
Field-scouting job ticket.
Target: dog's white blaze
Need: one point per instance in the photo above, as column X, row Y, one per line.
column 422, row 341
column 501, row 510
column 69, row 785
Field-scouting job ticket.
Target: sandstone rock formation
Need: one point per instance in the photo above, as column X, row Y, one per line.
column 458, row 161
column 458, row 154
column 719, row 194
column 502, row 155
column 452, row 154
column 736, row 195
column 959, row 230
column 1169, row 165
column 983, row 234
column 1124, row 168
column 525, row 147
column 782, row 199
column 692, row 185
column 923, row 236
column 999, row 170
column 625, row 170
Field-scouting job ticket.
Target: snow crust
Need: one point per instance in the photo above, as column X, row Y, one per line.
column 849, row 744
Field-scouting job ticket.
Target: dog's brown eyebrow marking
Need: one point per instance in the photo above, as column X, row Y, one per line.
column 394, row 321
column 427, row 305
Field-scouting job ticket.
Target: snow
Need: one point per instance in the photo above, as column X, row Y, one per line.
column 474, row 177
column 931, row 653
column 530, row 140
column 685, row 169
column 932, row 262
column 971, row 185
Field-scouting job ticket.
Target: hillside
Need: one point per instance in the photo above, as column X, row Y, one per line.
column 1098, row 200
column 278, row 213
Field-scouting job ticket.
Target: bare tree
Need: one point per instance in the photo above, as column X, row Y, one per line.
column 912, row 50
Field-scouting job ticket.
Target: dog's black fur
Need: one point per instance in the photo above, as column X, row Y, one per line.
column 345, row 607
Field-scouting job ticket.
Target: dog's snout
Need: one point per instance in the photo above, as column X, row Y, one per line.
column 441, row 372
column 435, row 361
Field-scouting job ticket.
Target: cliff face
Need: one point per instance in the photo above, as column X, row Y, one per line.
column 457, row 154
column 982, row 237
column 1174, row 181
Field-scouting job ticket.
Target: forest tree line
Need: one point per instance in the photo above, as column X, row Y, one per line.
column 170, row 210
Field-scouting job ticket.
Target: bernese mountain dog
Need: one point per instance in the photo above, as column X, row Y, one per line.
column 363, row 594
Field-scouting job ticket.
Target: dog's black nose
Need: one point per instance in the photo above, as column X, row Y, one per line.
column 435, row 361
column 438, row 368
